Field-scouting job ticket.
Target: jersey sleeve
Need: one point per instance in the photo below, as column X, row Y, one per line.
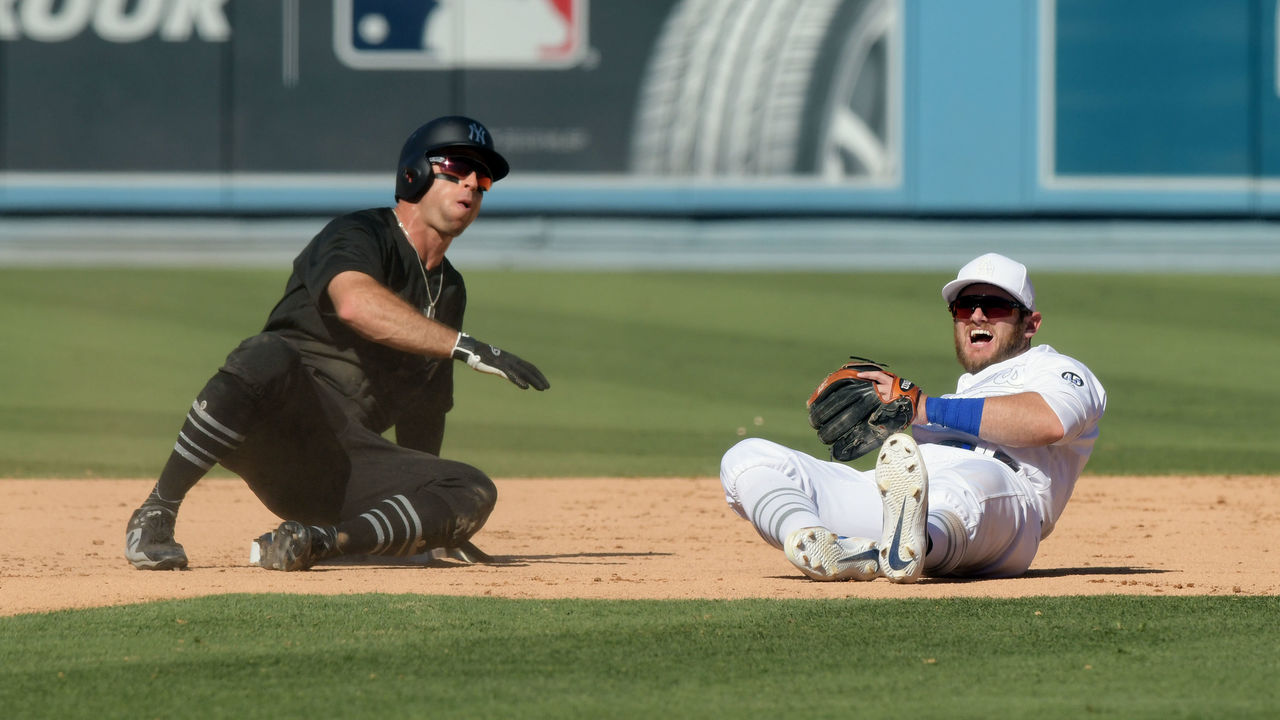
column 1072, row 392
column 341, row 247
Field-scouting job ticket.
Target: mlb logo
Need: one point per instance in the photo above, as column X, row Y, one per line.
column 443, row 34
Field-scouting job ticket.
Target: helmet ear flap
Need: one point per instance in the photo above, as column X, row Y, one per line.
column 414, row 180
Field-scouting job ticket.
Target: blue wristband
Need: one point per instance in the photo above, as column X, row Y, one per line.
column 964, row 414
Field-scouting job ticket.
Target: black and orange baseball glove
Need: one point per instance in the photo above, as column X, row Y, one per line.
column 851, row 417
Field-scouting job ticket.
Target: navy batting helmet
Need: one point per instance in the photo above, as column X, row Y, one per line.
column 450, row 132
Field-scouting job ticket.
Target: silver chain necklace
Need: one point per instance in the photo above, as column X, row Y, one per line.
column 430, row 309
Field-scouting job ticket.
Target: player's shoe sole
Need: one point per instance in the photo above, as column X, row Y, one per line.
column 466, row 552
column 823, row 555
column 286, row 548
column 904, row 489
column 149, row 543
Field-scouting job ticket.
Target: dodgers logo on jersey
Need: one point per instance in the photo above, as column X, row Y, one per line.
column 1008, row 376
column 441, row 34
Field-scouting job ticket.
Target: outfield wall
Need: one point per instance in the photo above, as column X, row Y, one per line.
column 683, row 108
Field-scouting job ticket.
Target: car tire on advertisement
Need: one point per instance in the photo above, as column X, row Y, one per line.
column 760, row 88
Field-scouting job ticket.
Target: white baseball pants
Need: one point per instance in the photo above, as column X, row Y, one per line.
column 982, row 521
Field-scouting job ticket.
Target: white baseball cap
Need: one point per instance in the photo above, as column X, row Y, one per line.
column 994, row 269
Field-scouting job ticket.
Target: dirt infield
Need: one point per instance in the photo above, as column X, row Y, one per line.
column 628, row 538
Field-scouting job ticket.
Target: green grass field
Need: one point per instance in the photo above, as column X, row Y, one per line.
column 652, row 374
column 412, row 656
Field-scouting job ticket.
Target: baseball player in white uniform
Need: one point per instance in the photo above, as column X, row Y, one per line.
column 980, row 481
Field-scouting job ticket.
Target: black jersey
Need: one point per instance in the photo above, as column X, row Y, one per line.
column 384, row 386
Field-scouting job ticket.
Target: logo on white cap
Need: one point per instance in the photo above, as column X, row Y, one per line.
column 994, row 269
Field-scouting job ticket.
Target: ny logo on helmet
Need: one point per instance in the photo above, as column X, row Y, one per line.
column 477, row 134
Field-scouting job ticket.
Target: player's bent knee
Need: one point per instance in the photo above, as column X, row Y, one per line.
column 752, row 453
column 473, row 504
column 486, row 492
column 744, row 456
column 749, row 452
column 471, row 493
column 263, row 361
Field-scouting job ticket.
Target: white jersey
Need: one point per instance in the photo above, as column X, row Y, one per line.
column 1073, row 393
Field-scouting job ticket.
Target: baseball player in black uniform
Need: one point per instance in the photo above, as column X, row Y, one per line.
column 361, row 341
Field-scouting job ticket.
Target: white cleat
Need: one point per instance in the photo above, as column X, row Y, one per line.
column 904, row 490
column 823, row 555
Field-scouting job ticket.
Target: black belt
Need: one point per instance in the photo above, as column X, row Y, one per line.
column 1000, row 455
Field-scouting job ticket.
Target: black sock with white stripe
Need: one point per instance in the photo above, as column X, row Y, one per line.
column 399, row 526
column 207, row 435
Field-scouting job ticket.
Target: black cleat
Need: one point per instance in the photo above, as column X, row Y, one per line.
column 289, row 547
column 148, row 540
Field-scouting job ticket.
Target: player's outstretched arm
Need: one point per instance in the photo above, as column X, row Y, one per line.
column 380, row 315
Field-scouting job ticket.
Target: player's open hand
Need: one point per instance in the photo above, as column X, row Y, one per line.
column 886, row 384
column 489, row 359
